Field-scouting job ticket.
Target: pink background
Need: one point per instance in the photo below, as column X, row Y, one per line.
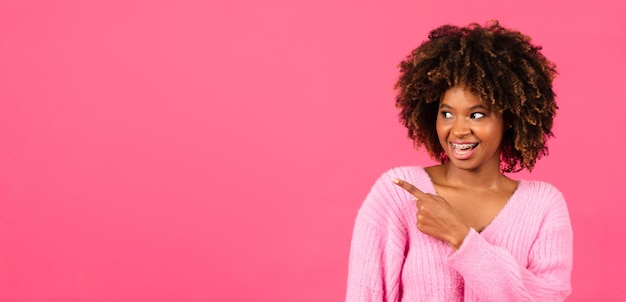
column 218, row 151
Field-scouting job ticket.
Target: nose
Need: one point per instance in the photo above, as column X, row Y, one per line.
column 461, row 128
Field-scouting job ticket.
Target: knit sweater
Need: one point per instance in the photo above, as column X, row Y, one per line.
column 524, row 254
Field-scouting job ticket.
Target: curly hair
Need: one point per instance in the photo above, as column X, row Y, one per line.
column 502, row 66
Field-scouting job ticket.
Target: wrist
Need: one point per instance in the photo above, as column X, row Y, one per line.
column 457, row 239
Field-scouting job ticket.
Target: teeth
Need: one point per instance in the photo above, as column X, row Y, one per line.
column 463, row 146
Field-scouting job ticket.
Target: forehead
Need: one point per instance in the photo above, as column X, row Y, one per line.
column 461, row 97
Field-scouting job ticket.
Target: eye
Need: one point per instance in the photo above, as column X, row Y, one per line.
column 477, row 115
column 446, row 114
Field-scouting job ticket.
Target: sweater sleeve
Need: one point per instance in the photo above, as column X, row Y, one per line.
column 377, row 248
column 493, row 274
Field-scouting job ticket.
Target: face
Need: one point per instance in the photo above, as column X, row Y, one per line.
column 468, row 131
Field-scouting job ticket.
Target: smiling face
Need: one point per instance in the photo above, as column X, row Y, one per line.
column 468, row 131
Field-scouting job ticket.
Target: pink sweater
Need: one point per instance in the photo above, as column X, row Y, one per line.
column 525, row 254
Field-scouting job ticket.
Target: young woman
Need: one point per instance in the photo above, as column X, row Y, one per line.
column 480, row 100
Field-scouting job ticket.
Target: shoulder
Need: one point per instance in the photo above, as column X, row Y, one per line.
column 540, row 190
column 416, row 175
column 543, row 197
column 386, row 201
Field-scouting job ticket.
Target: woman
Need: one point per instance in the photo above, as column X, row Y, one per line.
column 480, row 100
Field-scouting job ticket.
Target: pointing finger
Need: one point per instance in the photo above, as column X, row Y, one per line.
column 409, row 188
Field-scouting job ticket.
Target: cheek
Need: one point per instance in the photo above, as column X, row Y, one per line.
column 494, row 131
column 442, row 131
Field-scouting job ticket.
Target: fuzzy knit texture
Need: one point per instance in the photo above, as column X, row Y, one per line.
column 524, row 254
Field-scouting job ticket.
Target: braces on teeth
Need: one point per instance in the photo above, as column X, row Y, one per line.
column 463, row 146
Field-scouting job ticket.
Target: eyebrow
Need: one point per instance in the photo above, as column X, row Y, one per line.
column 471, row 108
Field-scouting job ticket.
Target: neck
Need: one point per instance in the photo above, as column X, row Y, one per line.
column 484, row 178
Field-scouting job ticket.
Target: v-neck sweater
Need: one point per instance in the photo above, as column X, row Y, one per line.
column 524, row 254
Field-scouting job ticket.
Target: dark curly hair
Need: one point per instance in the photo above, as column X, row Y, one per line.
column 502, row 66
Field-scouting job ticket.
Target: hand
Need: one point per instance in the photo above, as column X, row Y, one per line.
column 436, row 217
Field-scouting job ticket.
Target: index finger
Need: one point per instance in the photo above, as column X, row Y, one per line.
column 409, row 188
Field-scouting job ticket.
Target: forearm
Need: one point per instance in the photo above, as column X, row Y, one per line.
column 491, row 273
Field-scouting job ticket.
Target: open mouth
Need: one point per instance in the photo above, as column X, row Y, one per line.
column 463, row 148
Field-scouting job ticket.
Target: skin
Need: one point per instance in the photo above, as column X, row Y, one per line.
column 471, row 190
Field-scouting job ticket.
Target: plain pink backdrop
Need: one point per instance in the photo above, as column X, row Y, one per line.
column 218, row 151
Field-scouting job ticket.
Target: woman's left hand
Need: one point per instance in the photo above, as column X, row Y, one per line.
column 436, row 217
